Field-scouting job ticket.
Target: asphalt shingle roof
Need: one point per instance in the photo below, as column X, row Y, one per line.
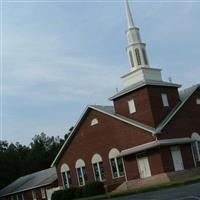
column 30, row 181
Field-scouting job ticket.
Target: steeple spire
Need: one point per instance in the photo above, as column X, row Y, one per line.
column 129, row 15
column 136, row 48
column 137, row 56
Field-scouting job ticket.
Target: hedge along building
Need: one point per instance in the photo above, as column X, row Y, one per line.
column 153, row 128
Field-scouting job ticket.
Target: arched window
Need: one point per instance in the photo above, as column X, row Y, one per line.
column 81, row 172
column 116, row 163
column 98, row 169
column 137, row 53
column 196, row 146
column 94, row 122
column 66, row 176
column 131, row 58
column 145, row 56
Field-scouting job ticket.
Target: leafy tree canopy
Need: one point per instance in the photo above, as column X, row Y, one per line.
column 17, row 160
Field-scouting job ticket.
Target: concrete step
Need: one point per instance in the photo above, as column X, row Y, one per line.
column 160, row 178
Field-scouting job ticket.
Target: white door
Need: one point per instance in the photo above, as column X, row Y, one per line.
column 143, row 166
column 177, row 158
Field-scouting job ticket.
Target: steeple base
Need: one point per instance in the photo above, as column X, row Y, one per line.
column 142, row 74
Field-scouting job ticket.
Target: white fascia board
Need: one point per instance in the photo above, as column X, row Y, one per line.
column 154, row 144
column 126, row 121
column 144, row 83
column 69, row 137
column 99, row 110
column 160, row 127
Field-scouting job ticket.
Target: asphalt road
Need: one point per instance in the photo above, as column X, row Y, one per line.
column 186, row 192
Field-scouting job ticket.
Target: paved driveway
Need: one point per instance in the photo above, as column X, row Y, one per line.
column 186, row 192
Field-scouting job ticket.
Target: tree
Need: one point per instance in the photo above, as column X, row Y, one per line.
column 17, row 160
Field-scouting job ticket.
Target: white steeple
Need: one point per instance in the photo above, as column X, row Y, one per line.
column 136, row 50
column 129, row 15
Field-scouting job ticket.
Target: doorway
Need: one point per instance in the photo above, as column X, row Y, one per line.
column 177, row 158
column 143, row 166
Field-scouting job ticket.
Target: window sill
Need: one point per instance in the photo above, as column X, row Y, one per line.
column 118, row 177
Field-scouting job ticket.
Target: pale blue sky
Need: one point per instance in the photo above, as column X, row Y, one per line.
column 59, row 57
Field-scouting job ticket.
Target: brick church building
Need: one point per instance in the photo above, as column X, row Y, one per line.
column 152, row 128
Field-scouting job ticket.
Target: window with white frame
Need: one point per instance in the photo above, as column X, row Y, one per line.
column 131, row 106
column 98, row 170
column 198, row 101
column 43, row 193
column 66, row 176
column 81, row 172
column 94, row 122
column 165, row 100
column 116, row 164
column 196, row 146
column 34, row 195
column 22, row 196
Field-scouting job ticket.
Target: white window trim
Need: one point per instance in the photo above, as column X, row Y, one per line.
column 43, row 193
column 131, row 106
column 22, row 196
column 198, row 101
column 97, row 159
column 196, row 137
column 198, row 150
column 113, row 153
column 82, row 175
column 117, row 168
column 165, row 100
column 99, row 171
column 94, row 122
column 67, row 179
column 34, row 195
column 64, row 170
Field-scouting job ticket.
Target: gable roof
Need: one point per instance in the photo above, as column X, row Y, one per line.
column 30, row 181
column 184, row 96
column 109, row 110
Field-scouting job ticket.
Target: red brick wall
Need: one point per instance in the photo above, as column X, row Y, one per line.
column 148, row 102
column 167, row 161
column 158, row 110
column 109, row 133
column 142, row 103
column 187, row 157
column 185, row 122
column 155, row 163
column 131, row 167
column 186, row 153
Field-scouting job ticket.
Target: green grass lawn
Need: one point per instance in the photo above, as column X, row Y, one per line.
column 145, row 189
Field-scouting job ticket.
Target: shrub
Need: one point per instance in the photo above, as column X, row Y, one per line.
column 66, row 194
column 90, row 189
column 69, row 193
column 57, row 195
column 79, row 192
column 93, row 188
